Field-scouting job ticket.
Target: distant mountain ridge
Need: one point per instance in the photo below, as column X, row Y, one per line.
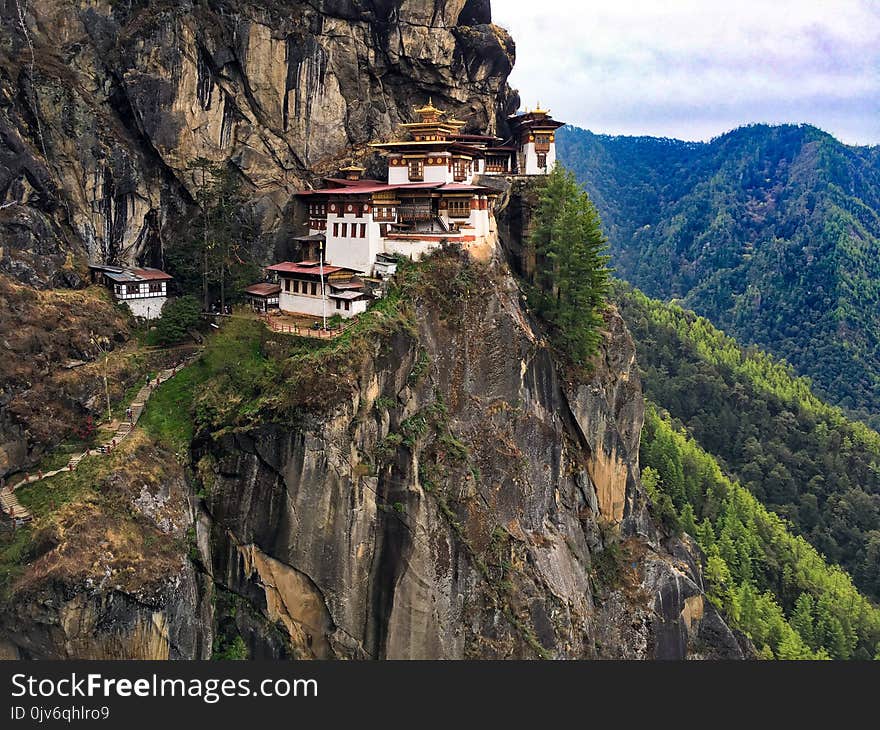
column 772, row 232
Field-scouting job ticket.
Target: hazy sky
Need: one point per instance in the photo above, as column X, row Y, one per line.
column 693, row 69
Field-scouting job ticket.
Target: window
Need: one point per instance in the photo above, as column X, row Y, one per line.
column 383, row 229
column 542, row 143
column 542, row 159
column 459, row 208
column 338, row 304
column 287, row 285
column 155, row 287
column 344, row 230
column 416, row 170
column 363, row 230
column 314, row 288
column 383, row 213
column 132, row 288
column 347, row 305
column 335, row 229
column 459, row 170
column 295, row 286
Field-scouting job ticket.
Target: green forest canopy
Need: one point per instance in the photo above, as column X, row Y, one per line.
column 799, row 456
column 773, row 233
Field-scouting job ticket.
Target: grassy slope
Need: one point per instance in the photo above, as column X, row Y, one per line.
column 86, row 524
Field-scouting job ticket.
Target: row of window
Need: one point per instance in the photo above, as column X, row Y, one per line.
column 317, row 210
column 460, row 170
column 460, row 208
column 358, row 230
column 309, row 288
column 154, row 287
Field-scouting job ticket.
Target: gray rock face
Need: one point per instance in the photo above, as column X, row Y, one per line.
column 99, row 125
column 459, row 504
column 111, row 576
column 91, row 622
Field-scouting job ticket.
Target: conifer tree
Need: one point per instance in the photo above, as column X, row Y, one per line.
column 570, row 283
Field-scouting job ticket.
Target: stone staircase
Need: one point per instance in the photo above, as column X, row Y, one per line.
column 9, row 503
column 12, row 507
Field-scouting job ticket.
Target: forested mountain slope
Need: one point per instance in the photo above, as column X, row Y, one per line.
column 773, row 233
column 772, row 585
column 800, row 457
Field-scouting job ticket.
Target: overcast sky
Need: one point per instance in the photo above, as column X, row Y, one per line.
column 694, row 69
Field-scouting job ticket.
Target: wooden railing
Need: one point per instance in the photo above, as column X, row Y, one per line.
column 292, row 328
column 414, row 213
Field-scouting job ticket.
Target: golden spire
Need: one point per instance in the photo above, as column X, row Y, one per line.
column 539, row 110
column 429, row 108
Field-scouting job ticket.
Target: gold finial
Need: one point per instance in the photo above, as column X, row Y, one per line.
column 429, row 108
column 539, row 110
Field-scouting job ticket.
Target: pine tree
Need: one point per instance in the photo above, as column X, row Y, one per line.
column 802, row 618
column 570, row 284
column 218, row 256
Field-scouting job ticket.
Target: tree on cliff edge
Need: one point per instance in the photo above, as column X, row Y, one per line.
column 570, row 285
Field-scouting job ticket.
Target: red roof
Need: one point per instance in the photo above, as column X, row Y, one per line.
column 474, row 136
column 374, row 187
column 263, row 290
column 461, row 188
column 306, row 267
column 151, row 274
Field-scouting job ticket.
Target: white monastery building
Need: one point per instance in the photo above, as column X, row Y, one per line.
column 318, row 289
column 432, row 196
column 144, row 290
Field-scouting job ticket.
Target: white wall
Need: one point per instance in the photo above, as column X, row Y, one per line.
column 147, row 307
column 413, row 249
column 398, row 175
column 479, row 221
column 357, row 307
column 438, row 173
column 532, row 160
column 353, row 252
column 300, row 304
column 290, row 302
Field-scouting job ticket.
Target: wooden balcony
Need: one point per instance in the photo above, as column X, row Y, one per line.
column 407, row 213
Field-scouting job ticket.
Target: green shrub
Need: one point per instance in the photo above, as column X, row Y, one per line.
column 178, row 317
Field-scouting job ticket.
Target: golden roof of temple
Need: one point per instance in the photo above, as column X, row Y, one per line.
column 429, row 108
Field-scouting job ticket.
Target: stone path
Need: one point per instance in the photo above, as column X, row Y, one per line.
column 9, row 503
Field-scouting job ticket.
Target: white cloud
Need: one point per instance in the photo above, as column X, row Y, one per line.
column 694, row 69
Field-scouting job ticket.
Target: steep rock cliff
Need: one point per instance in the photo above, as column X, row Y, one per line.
column 460, row 495
column 105, row 104
column 466, row 499
column 106, row 572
